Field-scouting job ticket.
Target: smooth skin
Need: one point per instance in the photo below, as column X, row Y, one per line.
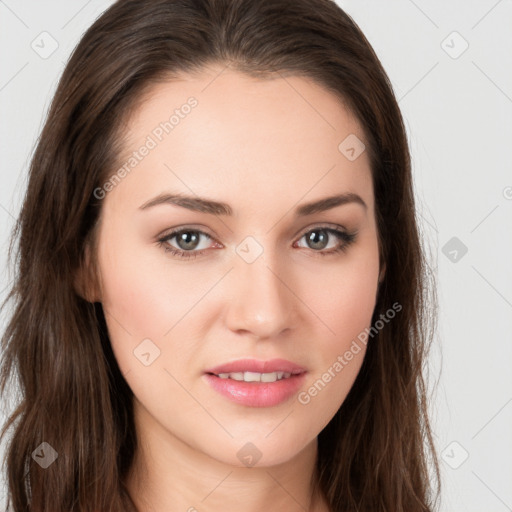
column 264, row 147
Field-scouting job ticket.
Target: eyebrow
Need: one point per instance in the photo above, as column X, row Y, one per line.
column 203, row 205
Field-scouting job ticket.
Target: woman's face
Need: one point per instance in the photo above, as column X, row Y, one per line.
column 262, row 279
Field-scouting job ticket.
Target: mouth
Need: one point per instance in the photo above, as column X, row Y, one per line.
column 254, row 369
column 256, row 383
column 257, row 376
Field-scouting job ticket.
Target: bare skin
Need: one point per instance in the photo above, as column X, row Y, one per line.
column 264, row 147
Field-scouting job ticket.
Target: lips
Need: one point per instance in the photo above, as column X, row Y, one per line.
column 256, row 366
column 255, row 383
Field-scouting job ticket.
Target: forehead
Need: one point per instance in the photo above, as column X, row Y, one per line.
column 256, row 139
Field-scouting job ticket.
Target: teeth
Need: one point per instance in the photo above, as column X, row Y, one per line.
column 255, row 377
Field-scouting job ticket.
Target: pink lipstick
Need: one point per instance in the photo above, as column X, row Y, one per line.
column 256, row 383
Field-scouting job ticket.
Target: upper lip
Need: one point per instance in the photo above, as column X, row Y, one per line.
column 254, row 365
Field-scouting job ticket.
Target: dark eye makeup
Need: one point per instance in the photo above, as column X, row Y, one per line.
column 345, row 238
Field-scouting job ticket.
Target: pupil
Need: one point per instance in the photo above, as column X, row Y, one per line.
column 318, row 242
column 185, row 237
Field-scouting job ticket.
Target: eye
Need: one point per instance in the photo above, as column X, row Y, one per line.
column 319, row 237
column 188, row 241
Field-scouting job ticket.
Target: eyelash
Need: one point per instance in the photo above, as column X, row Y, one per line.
column 347, row 238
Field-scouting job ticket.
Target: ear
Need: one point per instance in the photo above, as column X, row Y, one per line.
column 85, row 281
column 382, row 273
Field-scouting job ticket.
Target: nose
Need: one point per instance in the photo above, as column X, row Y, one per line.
column 263, row 303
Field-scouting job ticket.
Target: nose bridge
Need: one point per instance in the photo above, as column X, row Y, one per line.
column 262, row 303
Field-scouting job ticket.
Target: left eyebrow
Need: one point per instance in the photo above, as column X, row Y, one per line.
column 209, row 206
column 329, row 202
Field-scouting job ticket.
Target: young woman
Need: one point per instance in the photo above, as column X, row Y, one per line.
column 221, row 299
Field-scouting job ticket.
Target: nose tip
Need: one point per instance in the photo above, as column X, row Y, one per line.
column 262, row 302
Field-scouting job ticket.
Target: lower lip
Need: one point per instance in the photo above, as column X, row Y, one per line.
column 257, row 394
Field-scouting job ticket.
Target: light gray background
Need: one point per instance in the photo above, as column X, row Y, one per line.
column 458, row 112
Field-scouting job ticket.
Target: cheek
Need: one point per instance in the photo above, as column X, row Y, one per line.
column 144, row 300
column 138, row 293
column 344, row 297
column 135, row 304
column 347, row 311
column 351, row 304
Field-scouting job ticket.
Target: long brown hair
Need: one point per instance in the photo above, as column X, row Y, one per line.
column 377, row 452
